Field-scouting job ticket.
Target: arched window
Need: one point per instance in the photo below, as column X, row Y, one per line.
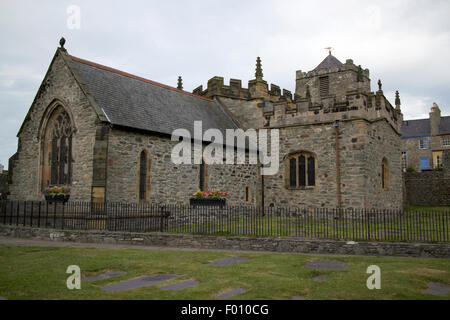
column 57, row 149
column 143, row 175
column 385, row 174
column 301, row 170
column 202, row 176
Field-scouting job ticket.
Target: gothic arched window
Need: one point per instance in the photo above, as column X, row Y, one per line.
column 57, row 149
column 300, row 170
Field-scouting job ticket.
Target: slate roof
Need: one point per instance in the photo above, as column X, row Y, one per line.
column 415, row 128
column 421, row 127
column 329, row 62
column 134, row 102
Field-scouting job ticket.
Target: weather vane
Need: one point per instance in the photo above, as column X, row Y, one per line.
column 329, row 49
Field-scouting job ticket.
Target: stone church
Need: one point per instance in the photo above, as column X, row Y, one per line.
column 107, row 135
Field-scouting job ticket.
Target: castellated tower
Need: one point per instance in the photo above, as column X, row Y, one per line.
column 340, row 142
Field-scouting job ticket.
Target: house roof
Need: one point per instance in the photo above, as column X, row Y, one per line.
column 421, row 127
column 131, row 101
column 329, row 62
column 415, row 128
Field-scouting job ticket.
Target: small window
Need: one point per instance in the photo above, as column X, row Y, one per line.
column 143, row 176
column 202, row 176
column 247, row 194
column 301, row 170
column 423, row 143
column 385, row 174
column 404, row 160
column 446, row 142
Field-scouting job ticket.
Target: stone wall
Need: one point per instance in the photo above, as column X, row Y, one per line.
column 430, row 188
column 58, row 85
column 233, row 243
column 362, row 147
column 169, row 183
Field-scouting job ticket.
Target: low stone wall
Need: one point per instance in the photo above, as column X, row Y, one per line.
column 233, row 243
column 429, row 188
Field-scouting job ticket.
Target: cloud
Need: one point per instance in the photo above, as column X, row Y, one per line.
column 404, row 43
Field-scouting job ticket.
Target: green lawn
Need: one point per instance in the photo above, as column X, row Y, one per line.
column 39, row 273
column 414, row 225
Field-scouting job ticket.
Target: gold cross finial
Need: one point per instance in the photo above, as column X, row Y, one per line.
column 329, row 49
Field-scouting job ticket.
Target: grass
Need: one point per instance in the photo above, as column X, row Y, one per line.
column 413, row 225
column 39, row 273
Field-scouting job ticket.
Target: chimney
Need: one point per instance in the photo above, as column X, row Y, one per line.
column 435, row 119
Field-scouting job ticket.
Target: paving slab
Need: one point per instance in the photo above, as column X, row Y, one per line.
column 297, row 298
column 181, row 285
column 3, row 298
column 104, row 276
column 231, row 293
column 228, row 261
column 436, row 288
column 144, row 281
column 326, row 264
column 323, row 276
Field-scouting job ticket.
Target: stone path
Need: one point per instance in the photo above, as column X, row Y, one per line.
column 436, row 288
column 326, row 264
column 181, row 285
column 144, row 281
column 323, row 276
column 104, row 276
column 297, row 298
column 228, row 261
column 3, row 298
column 231, row 293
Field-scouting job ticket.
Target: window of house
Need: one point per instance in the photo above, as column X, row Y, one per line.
column 438, row 161
column 423, row 143
column 385, row 174
column 143, row 176
column 404, row 160
column 301, row 170
column 57, row 149
column 446, row 142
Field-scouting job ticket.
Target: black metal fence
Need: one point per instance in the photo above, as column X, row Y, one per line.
column 300, row 223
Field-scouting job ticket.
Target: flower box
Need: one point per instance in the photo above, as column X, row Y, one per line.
column 63, row 198
column 207, row 202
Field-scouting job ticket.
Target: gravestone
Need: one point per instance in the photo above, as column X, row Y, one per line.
column 144, row 281
column 104, row 276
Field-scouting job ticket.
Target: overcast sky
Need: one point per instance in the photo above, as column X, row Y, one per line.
column 406, row 44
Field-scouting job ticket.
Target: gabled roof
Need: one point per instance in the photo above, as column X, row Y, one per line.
column 329, row 62
column 130, row 101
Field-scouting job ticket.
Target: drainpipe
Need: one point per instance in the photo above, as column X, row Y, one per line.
column 338, row 167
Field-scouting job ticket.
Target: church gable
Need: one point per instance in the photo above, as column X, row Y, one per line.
column 60, row 93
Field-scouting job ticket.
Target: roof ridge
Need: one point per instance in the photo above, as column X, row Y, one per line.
column 129, row 75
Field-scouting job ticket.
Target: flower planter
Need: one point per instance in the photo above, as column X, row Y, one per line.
column 208, row 202
column 62, row 198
